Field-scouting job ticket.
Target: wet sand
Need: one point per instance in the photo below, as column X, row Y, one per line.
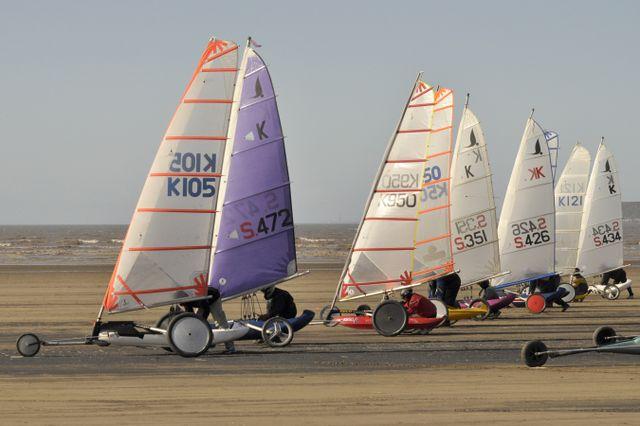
column 470, row 371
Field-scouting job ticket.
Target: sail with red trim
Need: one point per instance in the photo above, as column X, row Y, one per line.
column 254, row 243
column 432, row 255
column 526, row 229
column 600, row 248
column 382, row 254
column 165, row 255
column 570, row 192
column 474, row 225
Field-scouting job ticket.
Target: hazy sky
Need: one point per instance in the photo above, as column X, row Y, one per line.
column 87, row 89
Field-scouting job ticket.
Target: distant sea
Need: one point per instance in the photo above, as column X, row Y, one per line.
column 100, row 244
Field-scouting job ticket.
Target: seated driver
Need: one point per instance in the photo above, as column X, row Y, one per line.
column 417, row 305
column 279, row 304
column 488, row 292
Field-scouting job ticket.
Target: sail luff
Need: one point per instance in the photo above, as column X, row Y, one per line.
column 372, row 192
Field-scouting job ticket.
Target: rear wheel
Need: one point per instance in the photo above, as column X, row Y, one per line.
column 480, row 303
column 571, row 292
column 534, row 354
column 536, row 303
column 277, row 332
column 189, row 336
column 390, row 318
column 28, row 345
column 611, row 292
column 603, row 336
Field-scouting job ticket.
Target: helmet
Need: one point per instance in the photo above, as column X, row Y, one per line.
column 406, row 293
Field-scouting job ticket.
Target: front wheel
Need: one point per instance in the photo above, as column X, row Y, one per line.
column 326, row 315
column 534, row 354
column 28, row 345
column 536, row 303
column 604, row 336
column 189, row 335
column 480, row 303
column 611, row 292
column 277, row 332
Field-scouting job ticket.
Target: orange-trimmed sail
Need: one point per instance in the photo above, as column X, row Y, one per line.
column 166, row 253
column 432, row 255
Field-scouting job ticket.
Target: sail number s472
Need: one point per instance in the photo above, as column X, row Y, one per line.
column 268, row 224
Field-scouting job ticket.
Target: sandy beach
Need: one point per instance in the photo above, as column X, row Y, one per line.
column 327, row 375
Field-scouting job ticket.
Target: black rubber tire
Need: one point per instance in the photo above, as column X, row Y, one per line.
column 529, row 351
column 601, row 334
column 390, row 318
column 280, row 340
column 362, row 309
column 484, row 302
column 28, row 345
column 175, row 321
column 326, row 313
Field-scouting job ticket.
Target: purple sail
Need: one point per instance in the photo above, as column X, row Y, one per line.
column 256, row 243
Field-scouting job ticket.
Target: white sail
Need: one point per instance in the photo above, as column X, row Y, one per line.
column 165, row 255
column 570, row 192
column 600, row 247
column 381, row 256
column 526, row 229
column 432, row 255
column 474, row 226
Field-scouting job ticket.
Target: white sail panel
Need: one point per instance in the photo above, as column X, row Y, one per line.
column 381, row 257
column 600, row 248
column 474, row 226
column 165, row 255
column 526, row 230
column 432, row 256
column 569, row 192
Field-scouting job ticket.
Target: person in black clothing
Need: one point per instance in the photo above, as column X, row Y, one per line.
column 550, row 285
column 488, row 292
column 448, row 286
column 618, row 276
column 279, row 304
